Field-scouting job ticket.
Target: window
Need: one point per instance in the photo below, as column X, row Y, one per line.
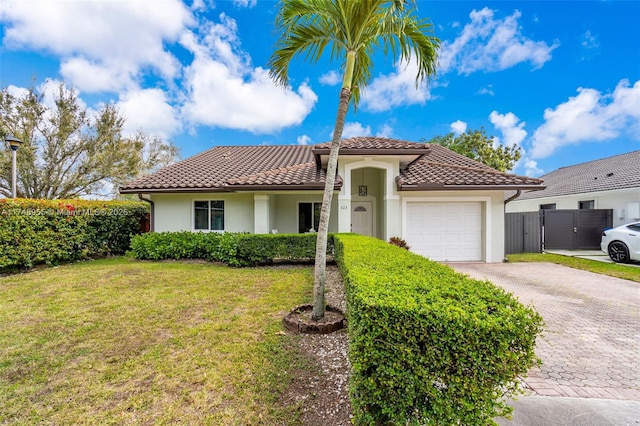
column 634, row 227
column 548, row 206
column 208, row 215
column 586, row 205
column 308, row 216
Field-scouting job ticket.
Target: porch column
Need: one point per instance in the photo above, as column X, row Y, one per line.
column 261, row 214
column 393, row 218
column 344, row 213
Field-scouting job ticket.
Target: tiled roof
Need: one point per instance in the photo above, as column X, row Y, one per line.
column 221, row 167
column 229, row 168
column 444, row 169
column 373, row 143
column 617, row 172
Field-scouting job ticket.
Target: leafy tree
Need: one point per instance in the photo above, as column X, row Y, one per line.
column 66, row 152
column 353, row 31
column 477, row 145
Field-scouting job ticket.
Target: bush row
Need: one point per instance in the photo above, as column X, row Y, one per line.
column 231, row 248
column 428, row 345
column 52, row 231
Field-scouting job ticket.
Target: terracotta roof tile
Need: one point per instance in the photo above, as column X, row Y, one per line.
column 444, row 169
column 229, row 168
column 213, row 168
column 365, row 143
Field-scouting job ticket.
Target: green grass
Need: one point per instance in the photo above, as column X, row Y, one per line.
column 612, row 269
column 127, row 342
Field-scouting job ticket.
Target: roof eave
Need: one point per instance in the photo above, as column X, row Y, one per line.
column 287, row 187
column 171, row 190
column 230, row 188
column 444, row 187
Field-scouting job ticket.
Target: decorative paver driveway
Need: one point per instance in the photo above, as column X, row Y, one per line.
column 591, row 344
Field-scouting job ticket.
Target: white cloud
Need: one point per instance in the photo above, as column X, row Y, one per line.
column 386, row 131
column 532, row 169
column 245, row 3
column 94, row 77
column 489, row 44
column 510, row 126
column 458, row 127
column 149, row 110
column 332, row 78
column 303, row 140
column 398, row 88
column 486, row 91
column 17, row 92
column 589, row 117
column 225, row 91
column 97, row 37
column 354, row 129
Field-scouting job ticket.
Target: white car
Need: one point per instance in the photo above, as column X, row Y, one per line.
column 622, row 244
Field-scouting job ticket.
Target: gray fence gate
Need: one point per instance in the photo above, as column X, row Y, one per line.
column 522, row 233
column 574, row 229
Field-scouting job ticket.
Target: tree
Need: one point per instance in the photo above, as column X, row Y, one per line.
column 66, row 152
column 477, row 145
column 353, row 31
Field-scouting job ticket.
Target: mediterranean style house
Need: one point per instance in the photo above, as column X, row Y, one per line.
column 446, row 206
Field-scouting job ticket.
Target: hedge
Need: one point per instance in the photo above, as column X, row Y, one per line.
column 52, row 231
column 427, row 345
column 234, row 249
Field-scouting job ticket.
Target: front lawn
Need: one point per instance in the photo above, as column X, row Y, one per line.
column 118, row 342
column 612, row 269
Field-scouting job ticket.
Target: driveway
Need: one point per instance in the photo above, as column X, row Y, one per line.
column 591, row 345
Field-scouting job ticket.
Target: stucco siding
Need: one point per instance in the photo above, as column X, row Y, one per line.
column 286, row 211
column 174, row 212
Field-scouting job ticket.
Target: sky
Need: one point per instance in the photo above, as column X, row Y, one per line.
column 561, row 79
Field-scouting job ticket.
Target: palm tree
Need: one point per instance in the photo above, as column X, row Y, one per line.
column 354, row 30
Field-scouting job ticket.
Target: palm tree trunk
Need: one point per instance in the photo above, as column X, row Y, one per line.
column 319, row 278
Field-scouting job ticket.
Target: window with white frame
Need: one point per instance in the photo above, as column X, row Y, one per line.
column 208, row 215
column 308, row 217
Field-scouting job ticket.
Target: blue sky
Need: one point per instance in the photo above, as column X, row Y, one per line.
column 559, row 78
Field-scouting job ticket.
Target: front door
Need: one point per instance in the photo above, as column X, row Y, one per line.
column 362, row 217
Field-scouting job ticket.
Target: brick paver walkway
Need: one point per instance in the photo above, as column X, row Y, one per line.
column 591, row 346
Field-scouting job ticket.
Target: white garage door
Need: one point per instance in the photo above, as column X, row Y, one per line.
column 445, row 231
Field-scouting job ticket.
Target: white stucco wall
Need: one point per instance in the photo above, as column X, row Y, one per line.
column 624, row 202
column 174, row 212
column 286, row 210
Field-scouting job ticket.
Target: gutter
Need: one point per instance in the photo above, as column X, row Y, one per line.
column 513, row 197
column 152, row 214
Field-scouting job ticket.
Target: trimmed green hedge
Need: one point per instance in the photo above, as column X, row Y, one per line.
column 429, row 346
column 52, row 231
column 231, row 248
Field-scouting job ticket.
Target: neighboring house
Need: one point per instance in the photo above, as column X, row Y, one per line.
column 609, row 183
column 446, row 206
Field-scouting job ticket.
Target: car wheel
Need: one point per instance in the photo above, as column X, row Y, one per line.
column 618, row 252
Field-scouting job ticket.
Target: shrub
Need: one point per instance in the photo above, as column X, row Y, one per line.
column 231, row 248
column 397, row 241
column 428, row 345
column 52, row 231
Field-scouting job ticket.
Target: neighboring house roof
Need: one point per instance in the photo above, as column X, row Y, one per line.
column 617, row 172
column 231, row 168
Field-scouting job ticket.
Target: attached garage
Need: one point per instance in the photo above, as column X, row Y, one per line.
column 445, row 231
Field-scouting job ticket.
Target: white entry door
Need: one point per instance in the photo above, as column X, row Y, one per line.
column 362, row 217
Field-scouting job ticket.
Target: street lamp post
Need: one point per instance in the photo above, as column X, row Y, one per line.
column 15, row 144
